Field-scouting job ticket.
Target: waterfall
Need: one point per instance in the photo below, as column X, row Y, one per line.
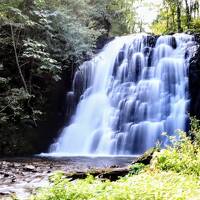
column 127, row 95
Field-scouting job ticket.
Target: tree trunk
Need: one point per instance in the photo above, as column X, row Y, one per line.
column 167, row 19
column 173, row 21
column 197, row 8
column 17, row 61
column 188, row 14
column 178, row 12
column 112, row 174
column 27, row 6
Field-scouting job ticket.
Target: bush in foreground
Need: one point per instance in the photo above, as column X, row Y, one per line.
column 147, row 185
column 183, row 156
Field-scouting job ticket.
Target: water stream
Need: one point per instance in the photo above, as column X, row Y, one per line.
column 127, row 95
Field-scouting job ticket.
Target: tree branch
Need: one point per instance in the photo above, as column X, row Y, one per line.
column 17, row 61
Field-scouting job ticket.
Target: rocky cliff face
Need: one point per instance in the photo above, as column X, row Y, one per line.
column 194, row 81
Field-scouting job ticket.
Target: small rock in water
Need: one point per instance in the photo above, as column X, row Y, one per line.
column 6, row 175
column 17, row 165
column 5, row 192
column 114, row 166
column 29, row 168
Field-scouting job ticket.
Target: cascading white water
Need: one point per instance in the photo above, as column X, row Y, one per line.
column 129, row 94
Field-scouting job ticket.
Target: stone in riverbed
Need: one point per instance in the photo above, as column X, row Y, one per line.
column 29, row 168
column 4, row 192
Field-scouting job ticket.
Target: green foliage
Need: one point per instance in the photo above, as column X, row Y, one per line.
column 136, row 168
column 37, row 51
column 123, row 16
column 182, row 157
column 145, row 186
column 195, row 25
column 3, row 82
column 168, row 19
column 80, row 38
column 13, row 104
column 195, row 130
column 6, row 4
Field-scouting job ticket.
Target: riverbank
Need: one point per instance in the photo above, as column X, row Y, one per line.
column 20, row 177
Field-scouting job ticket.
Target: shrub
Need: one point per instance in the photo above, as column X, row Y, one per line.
column 183, row 156
column 195, row 130
column 136, row 168
column 145, row 186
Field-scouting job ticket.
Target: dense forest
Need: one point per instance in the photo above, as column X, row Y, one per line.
column 42, row 45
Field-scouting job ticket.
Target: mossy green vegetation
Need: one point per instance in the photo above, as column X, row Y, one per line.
column 182, row 157
column 174, row 173
column 147, row 185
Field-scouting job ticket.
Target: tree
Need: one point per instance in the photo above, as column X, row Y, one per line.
column 188, row 13
column 123, row 16
column 178, row 15
column 178, row 12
